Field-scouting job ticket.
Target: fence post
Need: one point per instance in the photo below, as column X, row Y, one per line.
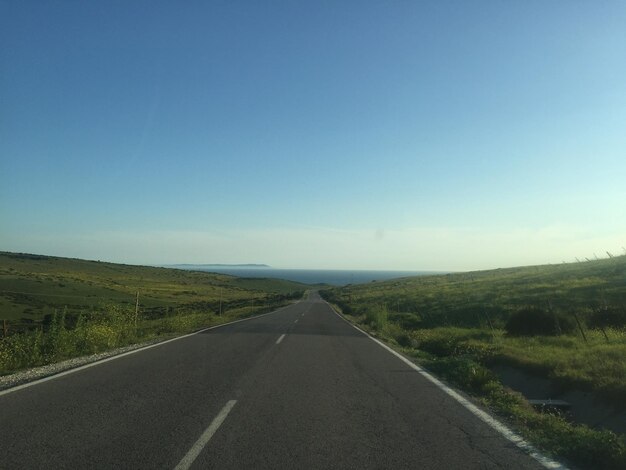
column 488, row 320
column 220, row 302
column 136, row 311
column 580, row 327
column 604, row 333
column 557, row 325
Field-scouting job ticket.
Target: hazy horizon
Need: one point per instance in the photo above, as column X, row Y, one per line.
column 435, row 135
column 267, row 267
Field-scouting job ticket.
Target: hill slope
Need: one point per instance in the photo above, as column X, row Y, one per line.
column 466, row 299
column 32, row 286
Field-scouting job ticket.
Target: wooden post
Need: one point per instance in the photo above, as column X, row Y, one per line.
column 488, row 319
column 5, row 328
column 604, row 333
column 557, row 325
column 136, row 310
column 580, row 327
column 220, row 313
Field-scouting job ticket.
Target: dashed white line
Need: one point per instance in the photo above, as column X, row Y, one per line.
column 296, row 321
column 206, row 436
column 128, row 353
column 280, row 339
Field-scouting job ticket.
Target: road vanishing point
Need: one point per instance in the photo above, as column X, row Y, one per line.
column 298, row 388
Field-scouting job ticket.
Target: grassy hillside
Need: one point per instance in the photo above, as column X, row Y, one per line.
column 470, row 299
column 565, row 323
column 32, row 286
column 587, row 300
column 56, row 308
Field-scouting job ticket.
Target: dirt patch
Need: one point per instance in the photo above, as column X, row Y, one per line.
column 585, row 407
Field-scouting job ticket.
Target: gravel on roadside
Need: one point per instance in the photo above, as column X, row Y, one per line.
column 36, row 373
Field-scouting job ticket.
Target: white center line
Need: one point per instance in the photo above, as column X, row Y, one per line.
column 280, row 339
column 206, row 436
column 296, row 321
column 128, row 353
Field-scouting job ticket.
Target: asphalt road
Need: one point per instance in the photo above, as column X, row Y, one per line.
column 298, row 388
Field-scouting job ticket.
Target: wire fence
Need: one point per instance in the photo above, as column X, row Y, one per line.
column 150, row 309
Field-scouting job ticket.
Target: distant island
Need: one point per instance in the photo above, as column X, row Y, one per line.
column 216, row 265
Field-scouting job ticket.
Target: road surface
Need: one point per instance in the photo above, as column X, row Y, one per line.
column 298, row 388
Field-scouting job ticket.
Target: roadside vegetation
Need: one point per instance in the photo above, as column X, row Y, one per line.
column 565, row 323
column 57, row 308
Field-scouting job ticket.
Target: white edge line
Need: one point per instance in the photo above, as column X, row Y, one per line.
column 504, row 430
column 206, row 436
column 280, row 339
column 118, row 356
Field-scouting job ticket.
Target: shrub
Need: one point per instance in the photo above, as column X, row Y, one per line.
column 101, row 337
column 346, row 308
column 464, row 372
column 607, row 318
column 408, row 321
column 333, row 298
column 534, row 321
column 401, row 336
column 377, row 317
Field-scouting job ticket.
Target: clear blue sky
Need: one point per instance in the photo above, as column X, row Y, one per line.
column 377, row 134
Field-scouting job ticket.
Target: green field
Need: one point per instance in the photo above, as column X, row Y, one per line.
column 457, row 325
column 32, row 286
column 463, row 325
column 56, row 308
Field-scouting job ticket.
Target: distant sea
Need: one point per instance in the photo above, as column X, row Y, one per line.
column 311, row 276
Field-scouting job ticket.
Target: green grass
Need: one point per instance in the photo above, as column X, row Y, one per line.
column 477, row 298
column 597, row 365
column 32, row 286
column 484, row 301
column 461, row 355
column 111, row 327
column 57, row 308
column 454, row 325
